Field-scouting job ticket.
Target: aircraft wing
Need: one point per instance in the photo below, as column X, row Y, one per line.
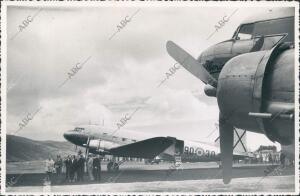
column 148, row 148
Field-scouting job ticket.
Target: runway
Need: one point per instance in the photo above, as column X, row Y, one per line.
column 138, row 177
column 253, row 184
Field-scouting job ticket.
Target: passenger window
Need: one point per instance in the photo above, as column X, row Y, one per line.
column 245, row 32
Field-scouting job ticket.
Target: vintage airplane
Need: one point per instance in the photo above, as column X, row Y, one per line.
column 125, row 143
column 252, row 77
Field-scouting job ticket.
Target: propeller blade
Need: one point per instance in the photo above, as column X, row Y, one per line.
column 226, row 146
column 190, row 63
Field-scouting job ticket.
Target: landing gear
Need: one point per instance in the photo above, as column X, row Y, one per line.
column 112, row 167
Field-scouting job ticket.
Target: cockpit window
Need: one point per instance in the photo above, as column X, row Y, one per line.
column 78, row 129
column 245, row 32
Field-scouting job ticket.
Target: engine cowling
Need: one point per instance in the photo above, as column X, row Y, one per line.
column 101, row 145
column 256, row 92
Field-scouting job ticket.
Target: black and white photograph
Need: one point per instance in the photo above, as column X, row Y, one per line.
column 149, row 97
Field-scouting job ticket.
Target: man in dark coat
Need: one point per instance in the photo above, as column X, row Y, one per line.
column 97, row 168
column 73, row 168
column 58, row 165
column 68, row 168
column 80, row 169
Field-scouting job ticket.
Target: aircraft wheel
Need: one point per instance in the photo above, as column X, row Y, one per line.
column 110, row 166
column 115, row 167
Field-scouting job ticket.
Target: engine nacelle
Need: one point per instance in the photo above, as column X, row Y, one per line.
column 101, row 145
column 256, row 92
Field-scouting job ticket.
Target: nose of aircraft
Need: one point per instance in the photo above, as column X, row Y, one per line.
column 68, row 136
column 75, row 138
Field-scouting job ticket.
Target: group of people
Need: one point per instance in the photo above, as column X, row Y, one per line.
column 74, row 167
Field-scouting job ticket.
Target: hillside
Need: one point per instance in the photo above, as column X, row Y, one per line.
column 24, row 149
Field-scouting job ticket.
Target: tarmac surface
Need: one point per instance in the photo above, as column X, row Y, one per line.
column 33, row 167
column 138, row 177
column 253, row 184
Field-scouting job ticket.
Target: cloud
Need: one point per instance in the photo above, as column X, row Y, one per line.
column 121, row 74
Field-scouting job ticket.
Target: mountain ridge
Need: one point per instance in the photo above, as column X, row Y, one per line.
column 25, row 149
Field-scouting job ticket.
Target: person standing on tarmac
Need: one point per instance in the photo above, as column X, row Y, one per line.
column 68, row 168
column 73, row 168
column 80, row 168
column 97, row 168
column 58, row 165
column 49, row 168
column 90, row 167
column 282, row 159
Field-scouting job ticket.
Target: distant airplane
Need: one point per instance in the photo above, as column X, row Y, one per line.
column 252, row 77
column 125, row 143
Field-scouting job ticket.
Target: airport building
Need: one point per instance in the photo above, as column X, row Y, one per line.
column 267, row 154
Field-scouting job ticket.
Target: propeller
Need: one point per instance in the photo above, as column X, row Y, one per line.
column 226, row 146
column 225, row 128
column 190, row 63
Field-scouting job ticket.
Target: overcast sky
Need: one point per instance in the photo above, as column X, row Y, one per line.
column 120, row 74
